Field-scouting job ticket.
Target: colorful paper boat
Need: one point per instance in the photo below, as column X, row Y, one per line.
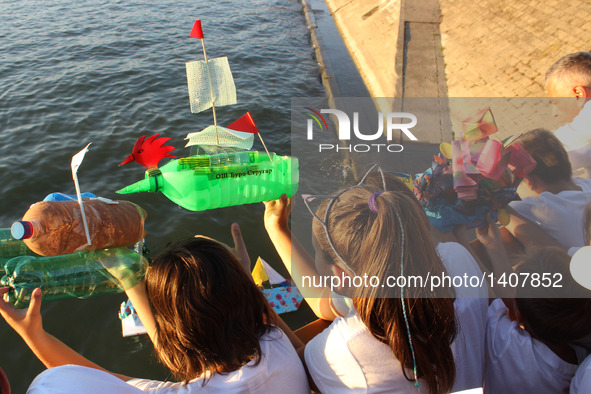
column 284, row 297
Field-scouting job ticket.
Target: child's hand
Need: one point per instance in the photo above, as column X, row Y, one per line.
column 239, row 250
column 277, row 213
column 26, row 322
column 461, row 234
column 489, row 234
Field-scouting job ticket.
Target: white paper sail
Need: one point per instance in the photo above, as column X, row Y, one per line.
column 274, row 277
column 225, row 137
column 222, row 82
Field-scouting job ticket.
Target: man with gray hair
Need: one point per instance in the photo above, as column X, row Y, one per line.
column 568, row 84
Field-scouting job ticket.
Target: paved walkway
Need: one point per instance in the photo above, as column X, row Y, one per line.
column 504, row 47
column 464, row 48
column 491, row 48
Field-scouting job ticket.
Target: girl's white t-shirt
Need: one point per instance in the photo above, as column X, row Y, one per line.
column 279, row 371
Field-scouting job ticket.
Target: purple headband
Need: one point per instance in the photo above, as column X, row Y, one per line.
column 373, row 206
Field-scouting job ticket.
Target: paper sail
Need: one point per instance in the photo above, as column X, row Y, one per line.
column 465, row 187
column 259, row 275
column 476, row 148
column 492, row 162
column 480, row 125
column 467, row 157
column 264, row 272
column 520, row 162
column 221, row 136
column 222, row 83
column 283, row 298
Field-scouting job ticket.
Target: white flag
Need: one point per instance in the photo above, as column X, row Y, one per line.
column 76, row 161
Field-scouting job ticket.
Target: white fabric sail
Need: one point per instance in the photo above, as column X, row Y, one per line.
column 225, row 137
column 222, row 84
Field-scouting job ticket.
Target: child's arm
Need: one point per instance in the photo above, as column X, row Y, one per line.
column 48, row 349
column 490, row 236
column 139, row 299
column 295, row 257
column 460, row 235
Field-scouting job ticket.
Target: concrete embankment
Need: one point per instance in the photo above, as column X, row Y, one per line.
column 396, row 48
column 370, row 31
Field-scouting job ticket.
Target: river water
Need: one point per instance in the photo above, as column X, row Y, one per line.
column 108, row 72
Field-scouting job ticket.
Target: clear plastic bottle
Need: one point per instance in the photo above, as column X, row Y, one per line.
column 52, row 228
column 83, row 274
column 11, row 247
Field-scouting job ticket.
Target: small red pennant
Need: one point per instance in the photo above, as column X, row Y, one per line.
column 244, row 124
column 197, row 32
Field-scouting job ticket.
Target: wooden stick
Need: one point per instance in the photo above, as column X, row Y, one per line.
column 265, row 146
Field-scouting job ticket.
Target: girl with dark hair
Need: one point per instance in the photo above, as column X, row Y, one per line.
column 384, row 338
column 210, row 325
column 541, row 349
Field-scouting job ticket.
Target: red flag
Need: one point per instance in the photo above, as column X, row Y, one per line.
column 244, row 124
column 197, row 32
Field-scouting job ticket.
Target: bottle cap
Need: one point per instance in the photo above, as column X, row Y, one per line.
column 22, row 229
